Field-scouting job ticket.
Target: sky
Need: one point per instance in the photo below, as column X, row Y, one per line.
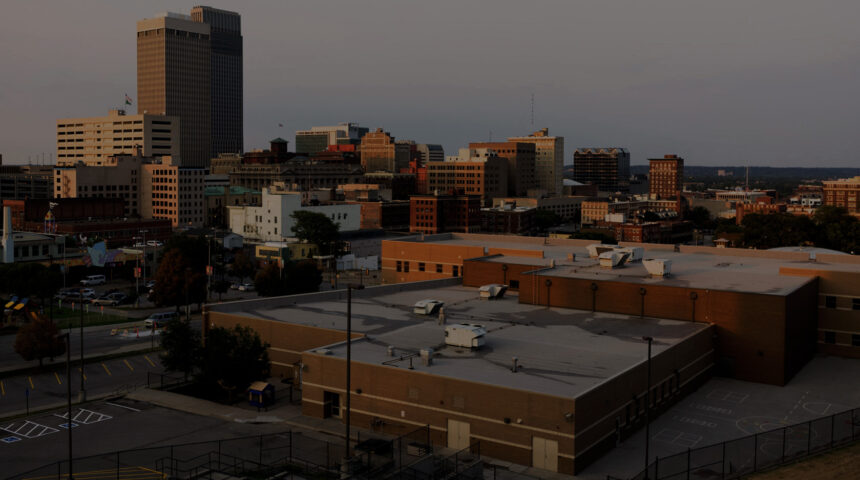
column 767, row 83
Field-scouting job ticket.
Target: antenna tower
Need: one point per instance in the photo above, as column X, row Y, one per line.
column 533, row 111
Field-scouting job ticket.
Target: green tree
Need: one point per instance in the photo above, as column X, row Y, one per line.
column 701, row 218
column 242, row 266
column 220, row 287
column 38, row 339
column 836, row 229
column 318, row 229
column 592, row 235
column 546, row 219
column 194, row 249
column 231, row 359
column 181, row 345
column 177, row 283
column 777, row 230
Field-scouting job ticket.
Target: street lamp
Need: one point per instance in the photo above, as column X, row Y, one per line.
column 68, row 340
column 648, row 405
column 82, row 395
column 349, row 288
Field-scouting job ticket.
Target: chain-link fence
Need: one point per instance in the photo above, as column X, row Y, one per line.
column 761, row 451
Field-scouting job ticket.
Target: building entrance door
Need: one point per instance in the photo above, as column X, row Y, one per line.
column 545, row 454
column 458, row 434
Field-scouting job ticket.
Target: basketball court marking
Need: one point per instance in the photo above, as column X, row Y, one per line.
column 28, row 429
column 728, row 396
column 675, row 437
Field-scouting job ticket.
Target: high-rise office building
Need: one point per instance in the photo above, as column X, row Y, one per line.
column 665, row 176
column 521, row 164
column 549, row 160
column 608, row 168
column 317, row 139
column 190, row 66
column 226, row 84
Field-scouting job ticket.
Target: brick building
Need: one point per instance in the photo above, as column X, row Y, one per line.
column 474, row 172
column 521, row 163
column 419, row 170
column 379, row 215
column 608, row 168
column 843, row 193
column 509, row 219
column 549, row 160
column 665, row 176
column 444, row 213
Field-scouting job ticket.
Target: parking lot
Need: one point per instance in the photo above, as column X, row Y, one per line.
column 725, row 409
column 49, row 388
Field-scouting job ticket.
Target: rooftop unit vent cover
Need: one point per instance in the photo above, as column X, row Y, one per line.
column 658, row 267
column 613, row 259
column 493, row 290
column 466, row 335
column 595, row 249
column 427, row 307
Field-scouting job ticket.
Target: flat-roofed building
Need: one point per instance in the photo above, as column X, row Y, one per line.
column 318, row 139
column 21, row 182
column 608, row 168
column 549, row 160
column 843, row 193
column 478, row 171
column 665, row 176
column 379, row 152
column 93, row 140
column 444, row 213
column 520, row 157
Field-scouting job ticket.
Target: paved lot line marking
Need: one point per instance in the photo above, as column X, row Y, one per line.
column 32, row 387
column 106, row 369
column 122, row 406
column 58, row 378
column 32, row 429
column 148, row 360
column 128, row 365
column 66, row 425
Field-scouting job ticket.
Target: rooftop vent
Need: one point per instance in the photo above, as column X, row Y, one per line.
column 467, row 335
column 595, row 249
column 427, row 307
column 427, row 356
column 658, row 267
column 493, row 290
column 613, row 259
column 636, row 253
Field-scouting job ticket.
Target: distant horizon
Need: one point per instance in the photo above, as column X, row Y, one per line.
column 770, row 84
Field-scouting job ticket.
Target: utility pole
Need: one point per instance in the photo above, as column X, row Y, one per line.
column 648, row 406
column 82, row 394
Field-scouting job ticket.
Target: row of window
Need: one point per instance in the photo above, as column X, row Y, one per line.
column 830, row 302
column 403, row 266
column 830, row 337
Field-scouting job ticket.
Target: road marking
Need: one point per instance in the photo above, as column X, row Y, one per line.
column 32, row 387
column 58, row 378
column 84, row 417
column 128, row 365
column 148, row 360
column 122, row 406
column 29, row 429
column 106, row 369
column 10, row 439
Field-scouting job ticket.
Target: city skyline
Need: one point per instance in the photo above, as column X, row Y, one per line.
column 716, row 84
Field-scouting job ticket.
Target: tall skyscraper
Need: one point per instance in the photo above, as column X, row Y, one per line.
column 191, row 67
column 226, row 85
column 549, row 160
column 608, row 168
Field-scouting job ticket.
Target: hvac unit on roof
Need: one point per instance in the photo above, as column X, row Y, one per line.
column 493, row 290
column 465, row 335
column 658, row 267
column 427, row 307
column 595, row 249
column 613, row 259
column 636, row 253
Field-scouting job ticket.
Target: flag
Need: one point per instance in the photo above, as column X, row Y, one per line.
column 127, row 99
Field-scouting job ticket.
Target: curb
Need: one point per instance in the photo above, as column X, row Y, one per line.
column 47, row 368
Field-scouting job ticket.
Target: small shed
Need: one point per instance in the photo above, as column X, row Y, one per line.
column 261, row 394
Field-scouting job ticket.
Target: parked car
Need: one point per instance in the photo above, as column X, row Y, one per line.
column 150, row 284
column 94, row 280
column 111, row 299
column 246, row 287
column 154, row 243
column 235, row 286
column 158, row 320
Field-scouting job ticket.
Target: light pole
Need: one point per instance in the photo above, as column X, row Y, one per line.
column 144, row 232
column 68, row 339
column 82, row 394
column 349, row 288
column 209, row 271
column 648, row 405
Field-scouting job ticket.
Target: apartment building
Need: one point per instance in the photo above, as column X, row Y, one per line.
column 521, row 163
column 608, row 168
column 843, row 193
column 549, row 160
column 665, row 177
column 444, row 213
column 473, row 172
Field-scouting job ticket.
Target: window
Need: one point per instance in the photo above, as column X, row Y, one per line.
column 830, row 337
column 855, row 304
column 830, row 301
column 438, row 268
column 406, row 267
column 421, row 266
column 331, row 404
column 515, row 284
column 399, row 266
column 855, row 340
column 455, row 271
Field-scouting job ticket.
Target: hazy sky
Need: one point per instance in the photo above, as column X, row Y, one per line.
column 720, row 83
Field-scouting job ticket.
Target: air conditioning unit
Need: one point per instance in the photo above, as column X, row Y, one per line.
column 493, row 290
column 427, row 307
column 465, row 335
column 658, row 267
column 612, row 259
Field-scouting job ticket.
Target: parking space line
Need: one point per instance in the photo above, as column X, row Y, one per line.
column 58, row 378
column 148, row 360
column 106, row 369
column 128, row 365
column 32, row 387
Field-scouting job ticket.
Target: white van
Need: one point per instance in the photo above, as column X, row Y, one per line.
column 159, row 319
column 93, row 280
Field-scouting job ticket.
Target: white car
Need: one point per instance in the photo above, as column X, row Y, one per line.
column 154, row 243
column 246, row 287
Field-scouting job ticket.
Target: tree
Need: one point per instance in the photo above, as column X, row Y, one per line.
column 177, row 283
column 593, row 235
column 242, row 266
column 836, row 229
column 546, row 219
column 777, row 230
column 318, row 229
column 220, row 287
column 38, row 339
column 231, row 359
column 296, row 277
column 701, row 218
column 181, row 345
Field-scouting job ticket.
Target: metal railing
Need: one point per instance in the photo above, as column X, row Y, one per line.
column 757, row 452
